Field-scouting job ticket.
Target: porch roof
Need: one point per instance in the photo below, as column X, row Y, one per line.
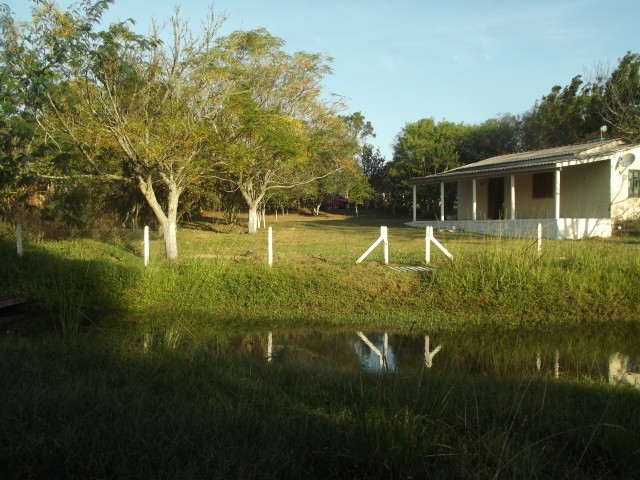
column 537, row 160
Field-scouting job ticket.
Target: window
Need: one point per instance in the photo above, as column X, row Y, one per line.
column 543, row 185
column 634, row 183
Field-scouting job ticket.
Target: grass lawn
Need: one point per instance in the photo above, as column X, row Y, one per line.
column 77, row 402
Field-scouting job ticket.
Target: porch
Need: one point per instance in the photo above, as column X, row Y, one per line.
column 555, row 228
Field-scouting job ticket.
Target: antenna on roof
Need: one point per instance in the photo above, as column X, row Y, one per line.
column 603, row 129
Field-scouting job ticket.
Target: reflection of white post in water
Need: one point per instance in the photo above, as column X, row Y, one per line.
column 374, row 349
column 621, row 371
column 428, row 355
column 556, row 364
column 269, row 345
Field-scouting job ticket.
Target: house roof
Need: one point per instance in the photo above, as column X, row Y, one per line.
column 538, row 160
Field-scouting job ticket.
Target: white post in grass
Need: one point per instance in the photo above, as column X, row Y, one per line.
column 539, row 239
column 19, row 239
column 429, row 238
column 382, row 238
column 427, row 245
column 383, row 233
column 145, row 245
column 270, row 246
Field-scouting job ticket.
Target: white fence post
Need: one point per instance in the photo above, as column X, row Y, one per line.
column 383, row 233
column 145, row 243
column 427, row 244
column 381, row 238
column 19, row 239
column 429, row 238
column 539, row 239
column 270, row 246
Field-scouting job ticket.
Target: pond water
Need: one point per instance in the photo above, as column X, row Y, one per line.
column 600, row 355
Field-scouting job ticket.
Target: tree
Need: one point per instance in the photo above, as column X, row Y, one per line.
column 359, row 190
column 563, row 117
column 276, row 131
column 493, row 137
column 134, row 109
column 618, row 97
column 420, row 149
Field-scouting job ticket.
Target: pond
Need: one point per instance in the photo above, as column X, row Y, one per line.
column 585, row 355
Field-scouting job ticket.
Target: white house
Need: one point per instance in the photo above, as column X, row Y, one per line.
column 576, row 191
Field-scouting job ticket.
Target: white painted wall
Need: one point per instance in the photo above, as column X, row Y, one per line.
column 622, row 206
column 585, row 191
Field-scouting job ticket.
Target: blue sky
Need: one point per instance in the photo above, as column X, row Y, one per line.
column 402, row 60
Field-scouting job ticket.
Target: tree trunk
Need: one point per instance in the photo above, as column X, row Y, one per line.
column 171, row 240
column 170, row 228
column 253, row 218
column 168, row 221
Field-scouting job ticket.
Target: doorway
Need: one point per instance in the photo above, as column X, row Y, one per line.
column 495, row 209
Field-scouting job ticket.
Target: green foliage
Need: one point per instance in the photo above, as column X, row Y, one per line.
column 493, row 137
column 276, row 131
column 618, row 97
column 565, row 116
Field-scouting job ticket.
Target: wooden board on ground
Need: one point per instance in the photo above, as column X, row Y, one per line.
column 412, row 269
column 12, row 308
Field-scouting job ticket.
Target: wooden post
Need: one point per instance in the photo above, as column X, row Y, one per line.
column 19, row 239
column 414, row 202
column 427, row 244
column 383, row 234
column 270, row 246
column 145, row 242
column 381, row 238
column 539, row 239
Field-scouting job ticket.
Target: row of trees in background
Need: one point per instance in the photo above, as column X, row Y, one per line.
column 167, row 124
column 567, row 115
column 165, row 119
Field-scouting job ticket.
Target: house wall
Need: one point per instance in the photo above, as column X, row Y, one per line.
column 465, row 199
column 585, row 191
column 624, row 207
column 526, row 205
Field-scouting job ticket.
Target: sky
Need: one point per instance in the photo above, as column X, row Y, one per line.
column 398, row 61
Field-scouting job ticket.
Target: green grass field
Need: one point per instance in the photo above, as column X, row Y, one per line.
column 79, row 402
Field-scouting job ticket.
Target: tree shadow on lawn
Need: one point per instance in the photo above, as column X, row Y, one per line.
column 56, row 285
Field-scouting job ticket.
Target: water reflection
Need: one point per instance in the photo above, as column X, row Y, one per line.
column 612, row 358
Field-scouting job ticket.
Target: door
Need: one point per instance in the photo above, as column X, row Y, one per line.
column 495, row 209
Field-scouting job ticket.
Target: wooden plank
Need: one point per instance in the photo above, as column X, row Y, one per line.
column 412, row 269
column 10, row 300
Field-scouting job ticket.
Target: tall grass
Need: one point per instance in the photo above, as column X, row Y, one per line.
column 224, row 279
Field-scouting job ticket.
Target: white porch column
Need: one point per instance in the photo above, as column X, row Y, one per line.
column 513, row 197
column 474, row 200
column 556, row 193
column 414, row 202
column 441, row 201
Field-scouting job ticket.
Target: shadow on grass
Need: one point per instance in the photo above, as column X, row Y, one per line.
column 56, row 283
